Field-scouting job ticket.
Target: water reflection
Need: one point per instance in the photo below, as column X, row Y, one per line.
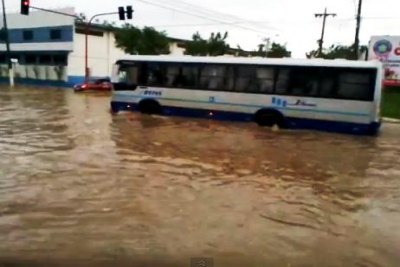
column 80, row 185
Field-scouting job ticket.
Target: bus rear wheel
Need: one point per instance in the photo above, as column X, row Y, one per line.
column 149, row 107
column 269, row 118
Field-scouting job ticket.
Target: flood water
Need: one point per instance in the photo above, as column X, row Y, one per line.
column 82, row 187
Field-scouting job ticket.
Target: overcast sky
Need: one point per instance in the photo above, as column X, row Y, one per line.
column 249, row 22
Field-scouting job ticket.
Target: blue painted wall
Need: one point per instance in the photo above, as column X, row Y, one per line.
column 42, row 34
column 71, row 81
column 34, row 82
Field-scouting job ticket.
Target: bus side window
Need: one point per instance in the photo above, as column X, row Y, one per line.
column 172, row 73
column 122, row 77
column 230, row 78
column 128, row 74
column 328, row 85
column 189, row 74
column 212, row 77
column 156, row 75
column 246, row 79
column 303, row 81
column 265, row 78
column 355, row 85
column 282, row 81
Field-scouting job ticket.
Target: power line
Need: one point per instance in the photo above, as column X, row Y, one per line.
column 199, row 15
column 209, row 12
column 194, row 25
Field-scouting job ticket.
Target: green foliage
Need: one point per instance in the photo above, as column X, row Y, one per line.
column 81, row 17
column 275, row 51
column 278, row 51
column 391, row 103
column 241, row 53
column 337, row 51
column 215, row 46
column 146, row 41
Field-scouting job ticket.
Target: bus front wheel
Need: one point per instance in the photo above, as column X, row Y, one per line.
column 269, row 118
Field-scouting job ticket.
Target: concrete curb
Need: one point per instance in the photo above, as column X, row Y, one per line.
column 390, row 120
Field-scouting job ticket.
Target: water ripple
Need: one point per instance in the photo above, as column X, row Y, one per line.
column 78, row 182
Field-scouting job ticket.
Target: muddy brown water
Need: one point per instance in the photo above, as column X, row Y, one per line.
column 82, row 187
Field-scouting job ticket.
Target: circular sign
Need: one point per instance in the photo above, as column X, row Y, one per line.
column 397, row 51
column 382, row 47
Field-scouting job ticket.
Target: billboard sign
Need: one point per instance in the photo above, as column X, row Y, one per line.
column 387, row 50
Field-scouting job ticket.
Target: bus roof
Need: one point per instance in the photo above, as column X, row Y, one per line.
column 256, row 60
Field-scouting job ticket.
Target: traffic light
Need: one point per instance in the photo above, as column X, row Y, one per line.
column 121, row 13
column 25, row 7
column 129, row 12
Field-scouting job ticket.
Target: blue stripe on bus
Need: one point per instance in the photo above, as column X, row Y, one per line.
column 291, row 123
column 257, row 106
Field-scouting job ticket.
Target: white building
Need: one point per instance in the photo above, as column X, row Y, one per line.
column 50, row 48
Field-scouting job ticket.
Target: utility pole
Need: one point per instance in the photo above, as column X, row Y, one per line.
column 323, row 15
column 357, row 40
column 7, row 40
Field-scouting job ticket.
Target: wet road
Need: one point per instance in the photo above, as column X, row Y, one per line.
column 81, row 187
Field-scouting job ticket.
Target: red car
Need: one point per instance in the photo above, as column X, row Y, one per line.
column 96, row 85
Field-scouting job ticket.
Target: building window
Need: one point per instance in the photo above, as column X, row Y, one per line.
column 181, row 45
column 55, row 34
column 45, row 59
column 30, row 59
column 2, row 35
column 27, row 35
column 2, row 59
column 60, row 60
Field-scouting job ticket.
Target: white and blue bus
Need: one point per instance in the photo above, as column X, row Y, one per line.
column 331, row 95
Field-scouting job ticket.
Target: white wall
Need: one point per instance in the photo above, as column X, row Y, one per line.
column 38, row 18
column 175, row 50
column 102, row 54
column 53, row 46
column 39, row 72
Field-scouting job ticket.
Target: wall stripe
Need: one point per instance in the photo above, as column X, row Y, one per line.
column 257, row 106
column 41, row 35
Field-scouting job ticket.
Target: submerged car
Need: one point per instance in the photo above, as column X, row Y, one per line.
column 103, row 84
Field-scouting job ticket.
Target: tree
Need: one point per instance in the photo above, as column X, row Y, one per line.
column 146, row 41
column 278, row 51
column 337, row 51
column 260, row 52
column 197, row 47
column 81, row 17
column 241, row 53
column 109, row 25
column 215, row 46
column 275, row 51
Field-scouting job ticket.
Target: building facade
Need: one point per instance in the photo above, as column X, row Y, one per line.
column 50, row 49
